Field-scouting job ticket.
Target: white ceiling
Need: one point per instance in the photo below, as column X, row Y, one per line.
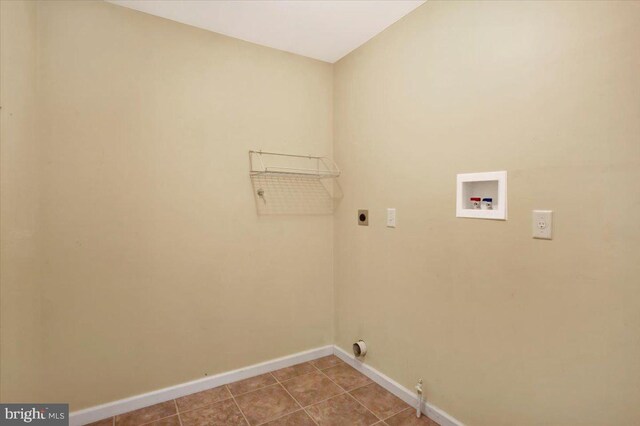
column 322, row 29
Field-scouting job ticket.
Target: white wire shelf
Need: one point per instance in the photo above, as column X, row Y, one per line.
column 278, row 164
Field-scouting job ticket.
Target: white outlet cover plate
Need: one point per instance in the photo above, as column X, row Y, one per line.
column 542, row 224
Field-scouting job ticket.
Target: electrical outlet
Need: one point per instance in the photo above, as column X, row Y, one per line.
column 363, row 217
column 542, row 224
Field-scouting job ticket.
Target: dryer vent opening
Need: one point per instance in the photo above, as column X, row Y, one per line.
column 359, row 349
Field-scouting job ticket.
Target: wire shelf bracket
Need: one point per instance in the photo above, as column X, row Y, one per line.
column 285, row 184
column 279, row 164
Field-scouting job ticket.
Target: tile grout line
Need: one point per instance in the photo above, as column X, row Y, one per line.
column 347, row 392
column 331, row 366
column 314, row 403
column 365, row 407
column 277, row 382
column 401, row 411
column 320, row 402
column 295, row 377
column 361, row 386
column 156, row 420
column 326, row 399
column 303, row 409
column 278, row 418
column 408, row 407
column 310, row 416
column 233, row 397
column 152, row 421
column 254, row 390
column 208, row 404
column 332, row 381
column 175, row 401
column 161, row 418
column 294, row 400
column 237, row 405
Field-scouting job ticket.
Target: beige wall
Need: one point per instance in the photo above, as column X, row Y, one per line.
column 504, row 329
column 156, row 269
column 20, row 255
column 133, row 258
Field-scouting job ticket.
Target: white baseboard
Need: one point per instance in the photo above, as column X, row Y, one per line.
column 121, row 406
column 430, row 410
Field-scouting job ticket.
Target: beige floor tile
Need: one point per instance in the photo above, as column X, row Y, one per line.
column 147, row 414
column 347, row 377
column 326, row 362
column 251, row 384
column 223, row 413
column 266, row 404
column 299, row 418
column 311, row 388
column 168, row 421
column 408, row 418
column 201, row 399
column 293, row 371
column 104, row 422
column 379, row 401
column 340, row 411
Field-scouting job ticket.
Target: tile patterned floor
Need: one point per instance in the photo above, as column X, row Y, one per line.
column 323, row 392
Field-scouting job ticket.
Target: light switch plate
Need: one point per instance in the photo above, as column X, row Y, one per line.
column 391, row 218
column 542, row 224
